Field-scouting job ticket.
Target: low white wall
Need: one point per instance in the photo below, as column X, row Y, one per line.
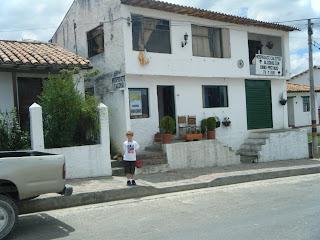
column 206, row 153
column 85, row 161
column 286, row 145
column 81, row 161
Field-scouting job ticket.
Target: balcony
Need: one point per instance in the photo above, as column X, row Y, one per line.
column 265, row 55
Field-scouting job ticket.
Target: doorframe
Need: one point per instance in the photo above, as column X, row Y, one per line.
column 257, row 129
column 174, row 102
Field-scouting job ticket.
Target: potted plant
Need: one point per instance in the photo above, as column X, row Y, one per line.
column 217, row 122
column 226, row 122
column 282, row 100
column 158, row 137
column 195, row 135
column 211, row 126
column 204, row 127
column 168, row 125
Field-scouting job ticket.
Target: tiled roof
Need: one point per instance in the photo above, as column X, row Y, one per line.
column 293, row 87
column 299, row 74
column 38, row 54
column 202, row 13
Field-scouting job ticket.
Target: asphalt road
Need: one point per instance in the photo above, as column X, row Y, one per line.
column 286, row 208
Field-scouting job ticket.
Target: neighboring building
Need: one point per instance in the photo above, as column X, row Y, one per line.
column 23, row 65
column 299, row 105
column 160, row 59
column 303, row 78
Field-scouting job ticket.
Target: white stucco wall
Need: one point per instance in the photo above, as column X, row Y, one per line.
column 188, row 101
column 207, row 153
column 302, row 118
column 180, row 68
column 286, row 145
column 81, row 161
column 87, row 15
column 181, row 61
column 6, row 92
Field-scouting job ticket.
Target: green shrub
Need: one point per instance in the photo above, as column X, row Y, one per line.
column 211, row 124
column 69, row 118
column 11, row 136
column 167, row 124
column 203, row 126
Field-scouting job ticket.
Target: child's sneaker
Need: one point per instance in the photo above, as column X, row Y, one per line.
column 134, row 182
column 129, row 183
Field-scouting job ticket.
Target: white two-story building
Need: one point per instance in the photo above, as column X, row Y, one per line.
column 159, row 59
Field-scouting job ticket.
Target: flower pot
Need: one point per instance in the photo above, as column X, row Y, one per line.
column 211, row 134
column 138, row 163
column 166, row 138
column 217, row 124
column 283, row 102
column 226, row 123
column 189, row 137
column 204, row 135
column 158, row 137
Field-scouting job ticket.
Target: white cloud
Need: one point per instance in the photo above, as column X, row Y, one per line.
column 301, row 63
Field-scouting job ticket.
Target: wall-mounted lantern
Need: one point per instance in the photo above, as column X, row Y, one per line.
column 185, row 40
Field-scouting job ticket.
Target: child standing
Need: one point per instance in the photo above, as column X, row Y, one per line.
column 130, row 148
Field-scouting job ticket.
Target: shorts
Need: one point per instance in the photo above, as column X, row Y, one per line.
column 129, row 166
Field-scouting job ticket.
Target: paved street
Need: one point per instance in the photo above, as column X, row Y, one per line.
column 286, row 208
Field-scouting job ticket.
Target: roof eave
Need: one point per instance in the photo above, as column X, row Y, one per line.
column 202, row 13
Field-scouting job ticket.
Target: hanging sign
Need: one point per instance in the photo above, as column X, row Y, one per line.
column 135, row 103
column 119, row 82
column 268, row 65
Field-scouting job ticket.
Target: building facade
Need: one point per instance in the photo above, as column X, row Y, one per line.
column 159, row 59
column 299, row 104
column 23, row 66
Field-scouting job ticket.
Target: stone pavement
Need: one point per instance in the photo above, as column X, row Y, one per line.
column 105, row 189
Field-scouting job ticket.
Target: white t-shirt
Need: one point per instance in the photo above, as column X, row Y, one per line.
column 130, row 150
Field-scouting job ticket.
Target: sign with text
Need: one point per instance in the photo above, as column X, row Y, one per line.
column 268, row 65
column 119, row 82
column 135, row 103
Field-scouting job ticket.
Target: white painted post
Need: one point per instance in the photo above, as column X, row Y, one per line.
column 104, row 124
column 105, row 137
column 36, row 127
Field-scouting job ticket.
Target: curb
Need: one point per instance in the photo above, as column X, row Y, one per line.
column 80, row 199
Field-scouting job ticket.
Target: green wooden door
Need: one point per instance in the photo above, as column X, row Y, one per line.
column 259, row 105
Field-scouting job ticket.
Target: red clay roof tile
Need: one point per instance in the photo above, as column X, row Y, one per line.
column 39, row 53
column 294, row 87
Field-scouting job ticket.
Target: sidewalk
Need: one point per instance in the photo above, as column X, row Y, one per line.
column 105, row 189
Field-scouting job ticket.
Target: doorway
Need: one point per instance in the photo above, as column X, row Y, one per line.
column 259, row 104
column 291, row 121
column 166, row 102
column 28, row 91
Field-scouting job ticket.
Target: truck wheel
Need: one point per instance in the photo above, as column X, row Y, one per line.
column 8, row 216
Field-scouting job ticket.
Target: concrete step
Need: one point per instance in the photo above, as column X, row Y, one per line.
column 261, row 135
column 248, row 153
column 151, row 155
column 152, row 169
column 118, row 172
column 152, row 158
column 156, row 147
column 260, row 141
column 252, row 147
column 246, row 159
column 116, row 163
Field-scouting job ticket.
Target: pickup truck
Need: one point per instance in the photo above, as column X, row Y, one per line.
column 25, row 175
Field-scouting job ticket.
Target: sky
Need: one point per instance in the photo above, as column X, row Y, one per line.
column 38, row 20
